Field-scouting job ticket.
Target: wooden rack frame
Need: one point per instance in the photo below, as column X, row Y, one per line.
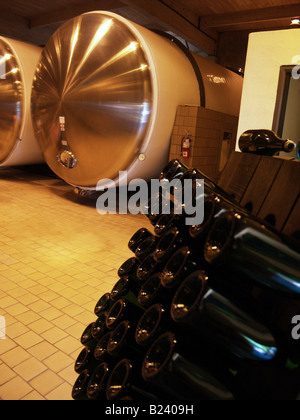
column 267, row 186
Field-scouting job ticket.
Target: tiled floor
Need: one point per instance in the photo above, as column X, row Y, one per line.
column 57, row 257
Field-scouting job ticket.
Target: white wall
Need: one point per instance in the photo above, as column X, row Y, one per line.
column 267, row 52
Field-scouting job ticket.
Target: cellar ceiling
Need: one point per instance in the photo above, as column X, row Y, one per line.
column 199, row 22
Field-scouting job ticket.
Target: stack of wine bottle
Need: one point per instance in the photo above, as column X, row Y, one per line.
column 199, row 312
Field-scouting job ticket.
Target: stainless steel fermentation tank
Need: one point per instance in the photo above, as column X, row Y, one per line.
column 105, row 97
column 18, row 63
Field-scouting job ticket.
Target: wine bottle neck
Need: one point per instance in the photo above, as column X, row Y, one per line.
column 217, row 318
column 163, row 365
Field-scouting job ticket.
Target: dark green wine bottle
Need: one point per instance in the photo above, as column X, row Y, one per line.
column 100, row 352
column 103, row 305
column 243, row 245
column 173, row 373
column 138, row 238
column 125, row 380
column 151, row 325
column 174, row 169
column 169, row 243
column 169, row 221
column 122, row 342
column 79, row 390
column 87, row 338
column 202, row 310
column 126, row 289
column 146, row 248
column 99, row 327
column 96, row 388
column 129, row 268
column 85, row 361
column 259, row 268
column 214, row 205
column 122, row 311
column 180, row 265
column 153, row 292
column 148, row 268
column 265, row 143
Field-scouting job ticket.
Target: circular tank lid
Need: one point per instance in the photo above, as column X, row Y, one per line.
column 92, row 99
column 11, row 100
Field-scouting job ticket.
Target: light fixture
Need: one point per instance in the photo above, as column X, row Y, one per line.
column 295, row 21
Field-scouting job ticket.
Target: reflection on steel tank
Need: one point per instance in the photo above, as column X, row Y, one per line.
column 18, row 63
column 105, row 97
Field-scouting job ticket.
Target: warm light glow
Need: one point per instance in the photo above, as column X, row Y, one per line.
column 102, row 31
column 131, row 47
column 74, row 41
column 216, row 79
column 143, row 67
column 295, row 21
column 4, row 58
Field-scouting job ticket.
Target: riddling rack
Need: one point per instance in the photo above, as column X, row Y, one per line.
column 202, row 312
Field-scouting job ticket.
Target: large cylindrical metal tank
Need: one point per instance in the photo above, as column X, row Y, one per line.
column 105, row 97
column 18, row 63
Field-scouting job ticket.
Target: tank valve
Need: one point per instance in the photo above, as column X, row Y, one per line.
column 67, row 159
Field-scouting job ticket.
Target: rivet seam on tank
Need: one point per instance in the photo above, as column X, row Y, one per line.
column 142, row 157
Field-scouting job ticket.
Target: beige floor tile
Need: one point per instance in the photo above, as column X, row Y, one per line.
column 73, row 310
column 54, row 335
column 28, row 317
column 7, row 301
column 42, row 350
column 64, row 322
column 40, row 326
column 58, row 361
column 6, row 345
column 76, row 330
column 16, row 329
column 28, row 299
column 46, row 382
column 15, row 356
column 6, row 374
column 69, row 374
column 48, row 296
column 33, row 396
column 15, row 389
column 28, row 340
column 51, row 313
column 62, row 393
column 29, row 369
column 68, row 345
column 16, row 309
column 60, row 302
column 52, row 274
